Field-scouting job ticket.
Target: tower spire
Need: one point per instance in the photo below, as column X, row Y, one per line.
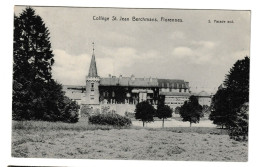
column 93, row 67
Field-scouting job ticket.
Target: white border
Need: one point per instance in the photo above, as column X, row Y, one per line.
column 6, row 77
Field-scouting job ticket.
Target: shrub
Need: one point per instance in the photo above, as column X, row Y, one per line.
column 240, row 129
column 129, row 114
column 110, row 119
column 85, row 111
column 69, row 113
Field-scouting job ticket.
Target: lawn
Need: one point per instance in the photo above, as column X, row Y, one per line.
column 37, row 139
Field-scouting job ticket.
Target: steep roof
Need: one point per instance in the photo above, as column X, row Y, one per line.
column 129, row 81
column 93, row 67
column 173, row 83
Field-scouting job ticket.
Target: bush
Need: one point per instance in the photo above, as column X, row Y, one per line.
column 110, row 119
column 129, row 114
column 240, row 129
column 70, row 111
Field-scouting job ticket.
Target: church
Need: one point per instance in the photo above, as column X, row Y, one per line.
column 123, row 93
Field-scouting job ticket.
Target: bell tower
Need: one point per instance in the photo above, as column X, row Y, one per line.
column 92, row 82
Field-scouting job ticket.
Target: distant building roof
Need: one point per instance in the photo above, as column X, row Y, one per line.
column 173, row 83
column 201, row 94
column 129, row 81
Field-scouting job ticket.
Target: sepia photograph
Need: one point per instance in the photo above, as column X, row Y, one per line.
column 130, row 83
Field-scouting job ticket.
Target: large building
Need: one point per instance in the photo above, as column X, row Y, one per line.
column 125, row 92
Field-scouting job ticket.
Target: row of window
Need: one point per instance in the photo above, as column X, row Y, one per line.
column 173, row 85
column 172, row 90
column 173, row 103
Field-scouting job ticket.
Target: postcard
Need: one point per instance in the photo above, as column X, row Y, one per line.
column 130, row 84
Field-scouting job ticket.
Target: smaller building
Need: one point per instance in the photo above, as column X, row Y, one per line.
column 204, row 98
column 175, row 99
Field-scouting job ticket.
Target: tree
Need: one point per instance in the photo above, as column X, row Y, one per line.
column 36, row 96
column 221, row 112
column 191, row 110
column 145, row 112
column 227, row 102
column 237, row 82
column 33, row 59
column 163, row 112
column 33, row 56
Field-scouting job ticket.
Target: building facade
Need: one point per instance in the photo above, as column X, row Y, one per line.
column 117, row 92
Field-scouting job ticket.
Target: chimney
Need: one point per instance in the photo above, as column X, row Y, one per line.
column 109, row 75
column 120, row 76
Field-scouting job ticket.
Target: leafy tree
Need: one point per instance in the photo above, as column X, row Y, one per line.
column 163, row 112
column 145, row 112
column 191, row 110
column 237, row 82
column 221, row 112
column 36, row 96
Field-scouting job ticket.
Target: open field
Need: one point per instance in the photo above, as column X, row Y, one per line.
column 61, row 140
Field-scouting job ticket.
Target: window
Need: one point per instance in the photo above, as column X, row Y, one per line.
column 113, row 94
column 92, row 86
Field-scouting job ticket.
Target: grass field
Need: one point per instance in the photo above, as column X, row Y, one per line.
column 36, row 139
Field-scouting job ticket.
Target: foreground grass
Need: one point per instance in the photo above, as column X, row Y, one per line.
column 36, row 139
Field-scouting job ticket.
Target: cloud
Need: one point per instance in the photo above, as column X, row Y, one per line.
column 118, row 59
column 182, row 52
column 70, row 69
column 205, row 44
column 197, row 52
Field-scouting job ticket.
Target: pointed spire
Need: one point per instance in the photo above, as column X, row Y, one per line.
column 93, row 68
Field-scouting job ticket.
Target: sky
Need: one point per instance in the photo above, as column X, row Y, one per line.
column 194, row 50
